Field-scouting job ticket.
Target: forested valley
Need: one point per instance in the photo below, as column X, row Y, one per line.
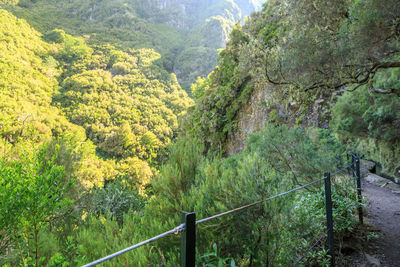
column 116, row 116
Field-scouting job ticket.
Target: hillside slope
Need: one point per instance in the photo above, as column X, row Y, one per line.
column 123, row 106
column 187, row 33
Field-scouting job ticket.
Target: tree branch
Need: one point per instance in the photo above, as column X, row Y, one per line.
column 383, row 91
column 274, row 82
column 355, row 88
column 388, row 65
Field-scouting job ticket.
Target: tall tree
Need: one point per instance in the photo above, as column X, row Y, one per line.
column 328, row 45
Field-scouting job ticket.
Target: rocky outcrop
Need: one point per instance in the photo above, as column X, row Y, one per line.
column 250, row 118
column 186, row 14
column 263, row 107
column 206, row 24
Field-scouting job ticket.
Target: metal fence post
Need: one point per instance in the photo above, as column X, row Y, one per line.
column 188, row 242
column 329, row 219
column 339, row 161
column 359, row 196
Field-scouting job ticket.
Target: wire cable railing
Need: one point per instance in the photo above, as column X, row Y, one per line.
column 314, row 244
column 189, row 225
column 181, row 227
column 257, row 203
column 176, row 230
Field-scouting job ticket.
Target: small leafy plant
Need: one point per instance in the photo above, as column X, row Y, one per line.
column 213, row 259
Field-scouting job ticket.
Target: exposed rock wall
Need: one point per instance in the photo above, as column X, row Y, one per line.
column 251, row 118
column 207, row 25
column 262, row 107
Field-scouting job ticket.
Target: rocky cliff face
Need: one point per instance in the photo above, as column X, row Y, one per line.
column 186, row 14
column 256, row 112
column 206, row 24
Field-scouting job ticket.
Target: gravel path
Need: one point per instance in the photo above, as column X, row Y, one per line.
column 383, row 208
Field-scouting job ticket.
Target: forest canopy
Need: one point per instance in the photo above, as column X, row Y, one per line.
column 122, row 106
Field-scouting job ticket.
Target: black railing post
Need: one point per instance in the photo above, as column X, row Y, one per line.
column 359, row 196
column 188, row 242
column 339, row 161
column 329, row 219
column 348, row 162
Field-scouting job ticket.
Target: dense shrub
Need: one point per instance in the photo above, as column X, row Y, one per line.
column 32, row 195
column 115, row 199
column 369, row 123
column 276, row 232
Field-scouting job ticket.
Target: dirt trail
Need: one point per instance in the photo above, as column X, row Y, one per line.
column 383, row 213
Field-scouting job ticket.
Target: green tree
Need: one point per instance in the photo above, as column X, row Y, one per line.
column 32, row 193
column 327, row 45
column 369, row 123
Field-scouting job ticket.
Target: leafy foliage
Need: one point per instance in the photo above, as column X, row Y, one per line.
column 325, row 46
column 32, row 194
column 275, row 232
column 107, row 117
column 125, row 112
column 297, row 55
column 291, row 152
column 115, row 200
column 27, row 82
column 176, row 29
column 369, row 123
column 102, row 114
column 126, row 103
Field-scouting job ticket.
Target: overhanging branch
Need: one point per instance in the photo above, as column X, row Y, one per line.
column 384, row 91
column 364, row 75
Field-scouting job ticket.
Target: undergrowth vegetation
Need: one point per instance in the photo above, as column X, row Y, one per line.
column 369, row 123
column 276, row 232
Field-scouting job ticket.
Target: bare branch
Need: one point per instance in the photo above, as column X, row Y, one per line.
column 383, row 91
column 388, row 65
column 274, row 82
column 355, row 88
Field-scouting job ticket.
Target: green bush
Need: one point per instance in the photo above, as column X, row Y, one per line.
column 291, row 152
column 32, row 191
column 115, row 200
column 277, row 231
column 369, row 123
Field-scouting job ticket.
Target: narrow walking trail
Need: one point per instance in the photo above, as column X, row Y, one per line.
column 382, row 199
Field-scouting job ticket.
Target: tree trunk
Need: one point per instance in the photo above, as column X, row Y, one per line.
column 22, row 256
column 36, row 244
column 29, row 243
